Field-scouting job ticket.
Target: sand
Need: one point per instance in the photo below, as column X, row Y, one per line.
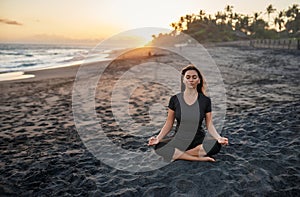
column 42, row 153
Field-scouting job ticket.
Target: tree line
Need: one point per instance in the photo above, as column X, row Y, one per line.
column 228, row 25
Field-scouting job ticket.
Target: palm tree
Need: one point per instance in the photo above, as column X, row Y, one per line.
column 179, row 24
column 188, row 18
column 292, row 11
column 201, row 14
column 279, row 20
column 229, row 8
column 220, row 16
column 293, row 15
column 243, row 24
column 229, row 14
column 256, row 15
column 270, row 10
column 235, row 20
column 174, row 25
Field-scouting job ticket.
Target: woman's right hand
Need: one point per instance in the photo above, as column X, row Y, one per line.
column 223, row 140
column 153, row 141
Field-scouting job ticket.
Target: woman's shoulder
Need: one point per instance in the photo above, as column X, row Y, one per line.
column 202, row 96
column 176, row 95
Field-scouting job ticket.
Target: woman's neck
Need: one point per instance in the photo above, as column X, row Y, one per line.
column 190, row 92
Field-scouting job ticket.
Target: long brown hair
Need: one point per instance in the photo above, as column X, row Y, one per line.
column 201, row 87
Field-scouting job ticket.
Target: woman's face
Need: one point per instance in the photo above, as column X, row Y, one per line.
column 191, row 79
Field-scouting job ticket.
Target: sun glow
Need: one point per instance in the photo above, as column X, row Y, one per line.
column 56, row 20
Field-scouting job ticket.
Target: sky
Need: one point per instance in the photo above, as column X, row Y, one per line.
column 92, row 20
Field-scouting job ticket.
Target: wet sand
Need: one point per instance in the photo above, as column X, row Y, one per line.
column 43, row 155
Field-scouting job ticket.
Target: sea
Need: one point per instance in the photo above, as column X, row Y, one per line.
column 28, row 57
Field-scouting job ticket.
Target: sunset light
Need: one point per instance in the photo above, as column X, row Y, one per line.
column 149, row 98
column 92, row 20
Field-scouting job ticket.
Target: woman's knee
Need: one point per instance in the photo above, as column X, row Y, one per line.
column 211, row 147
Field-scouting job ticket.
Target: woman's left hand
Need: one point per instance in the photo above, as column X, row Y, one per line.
column 223, row 140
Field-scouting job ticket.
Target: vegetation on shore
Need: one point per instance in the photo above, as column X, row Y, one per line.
column 228, row 25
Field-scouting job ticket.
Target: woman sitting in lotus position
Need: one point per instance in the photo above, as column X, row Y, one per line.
column 189, row 108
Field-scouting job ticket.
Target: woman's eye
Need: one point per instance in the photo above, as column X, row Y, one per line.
column 194, row 77
column 187, row 77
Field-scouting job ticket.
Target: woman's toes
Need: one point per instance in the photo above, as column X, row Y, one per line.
column 211, row 159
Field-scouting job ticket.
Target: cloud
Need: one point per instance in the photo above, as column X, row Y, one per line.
column 9, row 22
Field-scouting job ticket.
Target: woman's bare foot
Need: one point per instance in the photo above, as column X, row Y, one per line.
column 207, row 159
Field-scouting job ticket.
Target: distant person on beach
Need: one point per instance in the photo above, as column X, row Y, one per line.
column 189, row 108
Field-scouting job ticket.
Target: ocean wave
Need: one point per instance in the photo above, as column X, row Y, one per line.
column 24, row 57
column 10, row 53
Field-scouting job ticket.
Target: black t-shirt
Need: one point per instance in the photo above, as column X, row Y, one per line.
column 204, row 103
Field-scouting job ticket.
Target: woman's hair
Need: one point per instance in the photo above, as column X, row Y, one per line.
column 201, row 87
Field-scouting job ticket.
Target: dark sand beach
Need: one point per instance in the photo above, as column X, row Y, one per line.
column 43, row 155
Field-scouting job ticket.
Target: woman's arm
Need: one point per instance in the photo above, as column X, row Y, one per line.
column 165, row 130
column 212, row 130
column 168, row 125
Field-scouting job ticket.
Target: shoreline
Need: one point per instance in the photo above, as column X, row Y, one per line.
column 61, row 71
column 23, row 75
column 85, row 57
column 56, row 72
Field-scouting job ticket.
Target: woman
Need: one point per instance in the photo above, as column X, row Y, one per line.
column 189, row 108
